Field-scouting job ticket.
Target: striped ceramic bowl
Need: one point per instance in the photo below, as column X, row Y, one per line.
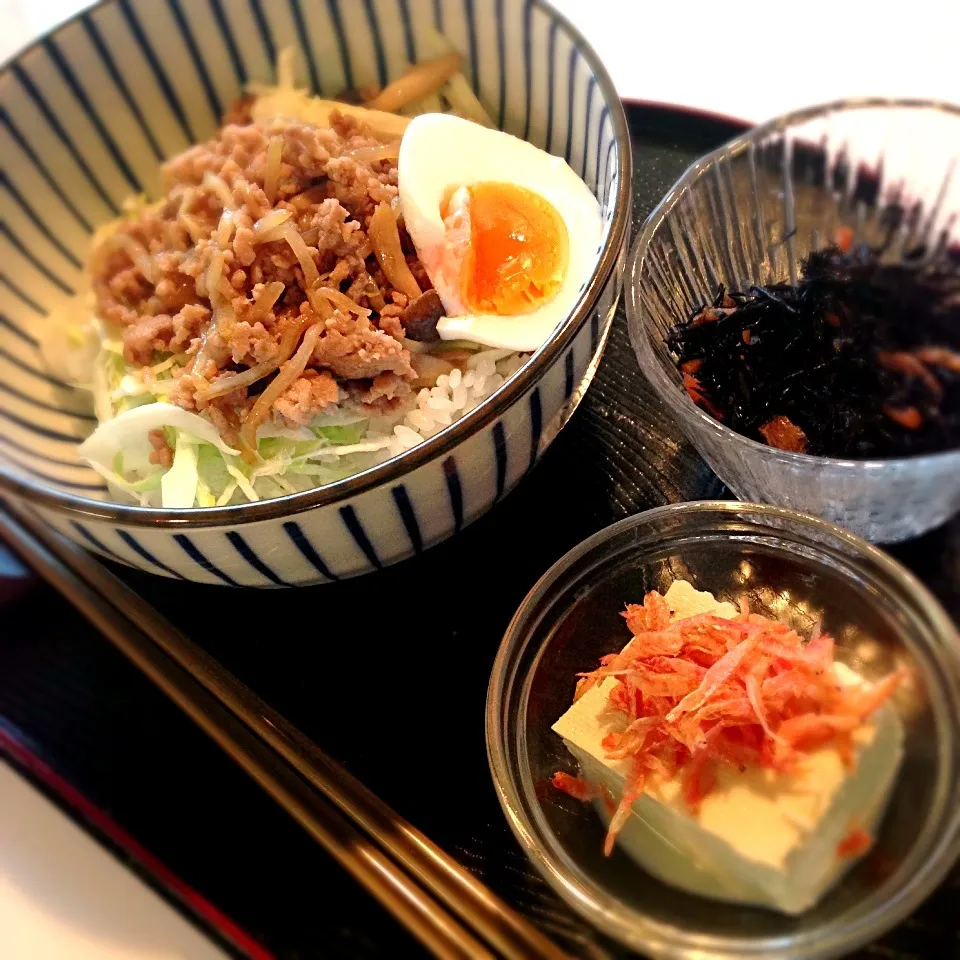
column 90, row 112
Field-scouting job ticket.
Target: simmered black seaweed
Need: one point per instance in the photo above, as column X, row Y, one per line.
column 860, row 359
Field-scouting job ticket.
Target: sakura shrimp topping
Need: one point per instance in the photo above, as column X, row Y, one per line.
column 855, row 843
column 581, row 789
column 699, row 692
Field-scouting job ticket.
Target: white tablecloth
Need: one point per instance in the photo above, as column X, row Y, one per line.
column 64, row 897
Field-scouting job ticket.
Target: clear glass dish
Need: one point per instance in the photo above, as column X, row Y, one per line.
column 748, row 213
column 790, row 566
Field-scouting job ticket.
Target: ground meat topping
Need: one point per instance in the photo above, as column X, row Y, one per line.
column 161, row 454
column 252, row 344
column 384, row 394
column 307, row 397
column 354, row 349
column 252, row 225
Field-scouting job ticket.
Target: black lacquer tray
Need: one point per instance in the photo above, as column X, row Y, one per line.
column 387, row 673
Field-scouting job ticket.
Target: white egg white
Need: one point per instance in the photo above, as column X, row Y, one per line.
column 439, row 152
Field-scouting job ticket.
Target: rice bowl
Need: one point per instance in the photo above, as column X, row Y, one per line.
column 384, row 512
column 286, row 291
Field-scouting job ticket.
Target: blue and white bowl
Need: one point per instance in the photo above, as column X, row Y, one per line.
column 90, row 112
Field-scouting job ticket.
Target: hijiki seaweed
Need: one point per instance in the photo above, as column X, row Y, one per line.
column 860, row 359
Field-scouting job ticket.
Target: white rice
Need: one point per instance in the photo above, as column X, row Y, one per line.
column 454, row 396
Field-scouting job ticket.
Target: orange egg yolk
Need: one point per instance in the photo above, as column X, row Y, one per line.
column 516, row 257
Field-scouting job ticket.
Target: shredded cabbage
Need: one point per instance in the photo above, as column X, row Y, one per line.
column 69, row 342
column 205, row 497
column 128, row 432
column 227, row 494
column 348, row 433
column 242, row 482
column 206, row 472
column 178, row 486
column 138, row 490
column 270, row 430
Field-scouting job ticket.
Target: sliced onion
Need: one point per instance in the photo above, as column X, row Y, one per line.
column 212, row 277
column 277, row 233
column 229, row 382
column 202, row 355
column 464, row 101
column 428, row 368
column 269, row 294
column 299, row 105
column 310, row 273
column 225, row 289
column 321, row 305
column 386, row 151
column 225, row 228
column 280, row 383
column 224, row 317
column 418, row 82
column 267, row 227
column 163, row 366
column 386, row 244
column 193, row 227
column 431, row 104
column 232, row 381
column 138, row 254
column 219, row 186
column 343, row 302
column 271, row 176
column 186, row 200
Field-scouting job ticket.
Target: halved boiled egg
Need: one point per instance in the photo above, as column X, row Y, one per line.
column 507, row 234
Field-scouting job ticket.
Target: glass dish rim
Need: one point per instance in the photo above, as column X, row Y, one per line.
column 660, row 939
column 641, row 335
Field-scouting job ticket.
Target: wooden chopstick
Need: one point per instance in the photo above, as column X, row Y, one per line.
column 475, row 905
column 357, row 853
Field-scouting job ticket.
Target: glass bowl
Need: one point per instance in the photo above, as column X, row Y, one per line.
column 791, row 566
column 748, row 213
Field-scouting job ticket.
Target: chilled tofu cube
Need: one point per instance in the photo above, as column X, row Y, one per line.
column 759, row 837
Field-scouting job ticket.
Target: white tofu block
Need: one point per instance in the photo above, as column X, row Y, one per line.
column 759, row 837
